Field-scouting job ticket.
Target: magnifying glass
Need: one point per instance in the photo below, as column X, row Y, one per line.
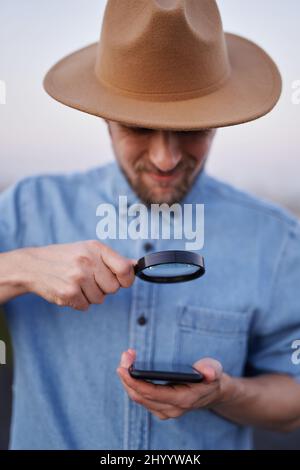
column 170, row 266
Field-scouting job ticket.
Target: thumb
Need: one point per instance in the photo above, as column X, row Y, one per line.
column 127, row 358
column 211, row 369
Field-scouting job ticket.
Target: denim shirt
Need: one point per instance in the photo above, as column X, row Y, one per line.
column 244, row 312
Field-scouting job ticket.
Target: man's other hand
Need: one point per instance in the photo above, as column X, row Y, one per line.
column 170, row 400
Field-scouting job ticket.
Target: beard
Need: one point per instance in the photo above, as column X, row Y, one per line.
column 163, row 192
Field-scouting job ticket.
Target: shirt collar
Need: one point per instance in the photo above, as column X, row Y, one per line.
column 121, row 187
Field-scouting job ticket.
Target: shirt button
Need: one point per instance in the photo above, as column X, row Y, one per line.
column 142, row 320
column 148, row 246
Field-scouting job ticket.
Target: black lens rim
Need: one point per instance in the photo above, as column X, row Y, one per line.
column 169, row 257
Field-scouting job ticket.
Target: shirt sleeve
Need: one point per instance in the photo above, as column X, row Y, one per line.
column 12, row 206
column 276, row 332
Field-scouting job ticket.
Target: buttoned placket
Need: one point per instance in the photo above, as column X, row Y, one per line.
column 137, row 419
column 141, row 338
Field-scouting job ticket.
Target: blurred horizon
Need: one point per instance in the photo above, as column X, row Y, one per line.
column 39, row 135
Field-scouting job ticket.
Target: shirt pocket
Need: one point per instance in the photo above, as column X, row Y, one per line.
column 218, row 334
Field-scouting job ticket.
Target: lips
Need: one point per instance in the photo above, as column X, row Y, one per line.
column 164, row 177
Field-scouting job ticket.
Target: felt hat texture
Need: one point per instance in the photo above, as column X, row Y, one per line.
column 167, row 64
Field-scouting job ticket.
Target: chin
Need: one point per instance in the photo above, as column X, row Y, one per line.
column 161, row 197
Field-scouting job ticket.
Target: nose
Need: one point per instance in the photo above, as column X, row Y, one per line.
column 164, row 151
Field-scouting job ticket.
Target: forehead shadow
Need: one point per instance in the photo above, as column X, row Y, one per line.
column 183, row 131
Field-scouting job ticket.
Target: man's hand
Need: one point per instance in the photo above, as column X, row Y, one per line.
column 172, row 401
column 74, row 275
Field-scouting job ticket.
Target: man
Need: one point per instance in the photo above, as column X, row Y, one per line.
column 163, row 83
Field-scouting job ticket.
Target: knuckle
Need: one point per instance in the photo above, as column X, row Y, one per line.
column 67, row 297
column 93, row 244
column 70, row 293
column 124, row 268
column 138, row 400
column 148, row 396
column 174, row 413
column 135, row 397
column 101, row 298
column 62, row 298
column 185, row 406
column 77, row 276
column 113, row 287
column 127, row 281
column 83, row 259
column 162, row 416
column 184, row 403
column 82, row 307
column 59, row 300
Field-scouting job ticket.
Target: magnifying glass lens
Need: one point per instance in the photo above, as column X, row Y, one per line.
column 170, row 266
column 170, row 270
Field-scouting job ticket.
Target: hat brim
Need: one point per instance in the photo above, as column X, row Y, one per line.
column 252, row 90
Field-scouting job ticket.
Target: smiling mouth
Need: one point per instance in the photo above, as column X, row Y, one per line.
column 167, row 176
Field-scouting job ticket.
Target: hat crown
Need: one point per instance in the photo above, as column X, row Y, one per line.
column 169, row 49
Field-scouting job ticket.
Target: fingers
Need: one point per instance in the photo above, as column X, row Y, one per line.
column 161, row 410
column 105, row 279
column 127, row 358
column 210, row 368
column 171, row 401
column 78, row 274
column 93, row 293
column 159, row 393
column 103, row 272
column 68, row 295
column 187, row 398
column 122, row 267
column 135, row 396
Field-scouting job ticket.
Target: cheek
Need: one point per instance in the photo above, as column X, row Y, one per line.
column 131, row 148
column 124, row 151
column 198, row 149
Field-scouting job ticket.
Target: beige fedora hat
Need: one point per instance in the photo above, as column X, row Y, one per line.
column 167, row 64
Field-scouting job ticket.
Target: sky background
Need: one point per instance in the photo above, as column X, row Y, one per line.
column 37, row 134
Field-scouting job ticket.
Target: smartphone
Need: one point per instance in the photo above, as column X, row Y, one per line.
column 165, row 373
